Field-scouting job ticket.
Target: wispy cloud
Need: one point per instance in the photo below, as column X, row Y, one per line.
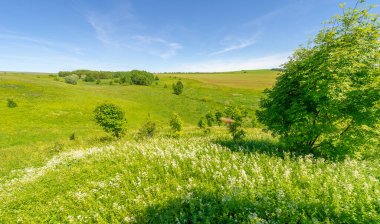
column 40, row 43
column 127, row 32
column 236, row 44
column 271, row 61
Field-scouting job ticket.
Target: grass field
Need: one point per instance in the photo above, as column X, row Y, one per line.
column 47, row 178
column 249, row 79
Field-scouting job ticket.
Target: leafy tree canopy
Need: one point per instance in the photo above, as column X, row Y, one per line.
column 327, row 97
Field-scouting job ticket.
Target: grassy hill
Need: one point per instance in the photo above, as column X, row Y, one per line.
column 45, row 177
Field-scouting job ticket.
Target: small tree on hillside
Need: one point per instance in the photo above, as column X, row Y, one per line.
column 178, row 88
column 328, row 95
column 176, row 125
column 111, row 118
column 11, row 103
column 234, row 121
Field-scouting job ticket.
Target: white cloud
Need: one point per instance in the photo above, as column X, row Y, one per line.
column 272, row 61
column 238, row 44
column 126, row 32
column 156, row 46
column 40, row 43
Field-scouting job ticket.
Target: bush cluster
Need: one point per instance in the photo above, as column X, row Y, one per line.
column 134, row 77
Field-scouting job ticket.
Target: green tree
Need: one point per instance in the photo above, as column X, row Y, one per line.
column 71, row 79
column 111, row 118
column 147, row 130
column 11, row 103
column 327, row 96
column 178, row 88
column 234, row 121
column 176, row 124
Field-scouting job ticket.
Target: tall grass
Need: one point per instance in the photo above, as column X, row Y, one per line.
column 190, row 180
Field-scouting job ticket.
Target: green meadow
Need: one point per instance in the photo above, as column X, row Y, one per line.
column 47, row 178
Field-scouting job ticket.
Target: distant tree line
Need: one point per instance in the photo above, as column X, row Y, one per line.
column 134, row 77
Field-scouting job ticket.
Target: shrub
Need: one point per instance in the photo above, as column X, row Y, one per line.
column 147, row 130
column 111, row 118
column 71, row 79
column 141, row 77
column 234, row 121
column 210, row 119
column 89, row 78
column 327, row 97
column 98, row 81
column 178, row 88
column 176, row 125
column 202, row 124
column 11, row 103
column 72, row 137
column 218, row 115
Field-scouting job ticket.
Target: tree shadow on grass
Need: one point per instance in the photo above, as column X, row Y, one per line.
column 274, row 148
column 217, row 207
column 200, row 207
column 263, row 146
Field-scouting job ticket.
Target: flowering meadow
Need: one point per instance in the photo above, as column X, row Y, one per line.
column 191, row 180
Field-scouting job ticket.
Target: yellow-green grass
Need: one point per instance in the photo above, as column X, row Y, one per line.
column 47, row 178
column 191, row 180
column 49, row 111
column 249, row 79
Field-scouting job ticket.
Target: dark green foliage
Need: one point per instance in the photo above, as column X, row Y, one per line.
column 176, row 125
column 327, row 97
column 141, row 77
column 235, row 125
column 98, row 81
column 72, row 136
column 111, row 118
column 210, row 119
column 11, row 103
column 125, row 78
column 202, row 124
column 71, row 79
column 135, row 77
column 147, row 130
column 165, row 86
column 156, row 78
column 218, row 115
column 89, row 78
column 178, row 88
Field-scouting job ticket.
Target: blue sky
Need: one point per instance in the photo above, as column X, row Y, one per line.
column 156, row 35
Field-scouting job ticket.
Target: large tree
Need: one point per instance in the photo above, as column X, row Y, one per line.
column 327, row 97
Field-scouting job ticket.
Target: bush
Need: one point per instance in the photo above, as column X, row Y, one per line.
column 98, row 82
column 176, row 125
column 71, row 79
column 218, row 115
column 125, row 78
column 111, row 118
column 142, row 77
column 73, row 136
column 327, row 97
column 202, row 124
column 89, row 78
column 11, row 103
column 234, row 120
column 148, row 130
column 178, row 88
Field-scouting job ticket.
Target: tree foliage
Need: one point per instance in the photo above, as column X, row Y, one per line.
column 176, row 125
column 11, row 103
column 234, row 121
column 111, row 118
column 178, row 88
column 327, row 96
